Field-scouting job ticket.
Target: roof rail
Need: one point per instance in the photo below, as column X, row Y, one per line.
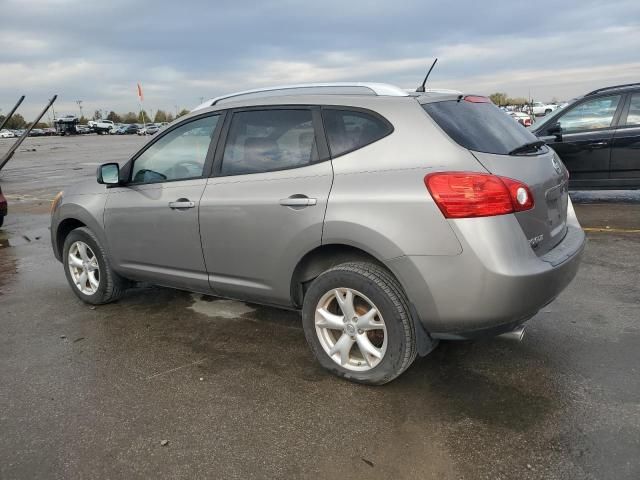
column 335, row 88
column 614, row 87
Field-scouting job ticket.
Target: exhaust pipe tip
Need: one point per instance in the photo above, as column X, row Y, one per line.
column 514, row 335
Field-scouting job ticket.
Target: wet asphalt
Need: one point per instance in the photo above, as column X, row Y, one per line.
column 168, row 384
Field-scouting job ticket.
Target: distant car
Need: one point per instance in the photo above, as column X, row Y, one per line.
column 7, row 134
column 101, row 126
column 127, row 130
column 3, row 207
column 149, row 130
column 539, row 108
column 36, row 132
column 597, row 137
column 49, row 131
column 522, row 118
column 83, row 129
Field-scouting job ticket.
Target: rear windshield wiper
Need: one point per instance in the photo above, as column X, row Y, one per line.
column 527, row 147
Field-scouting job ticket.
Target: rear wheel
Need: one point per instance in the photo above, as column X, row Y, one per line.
column 356, row 320
column 88, row 270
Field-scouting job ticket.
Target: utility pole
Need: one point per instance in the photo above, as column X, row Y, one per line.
column 79, row 102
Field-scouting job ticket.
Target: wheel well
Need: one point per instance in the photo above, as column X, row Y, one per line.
column 64, row 229
column 320, row 259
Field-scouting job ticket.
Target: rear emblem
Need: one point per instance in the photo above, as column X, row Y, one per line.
column 535, row 241
column 556, row 165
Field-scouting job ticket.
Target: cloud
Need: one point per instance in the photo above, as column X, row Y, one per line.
column 182, row 51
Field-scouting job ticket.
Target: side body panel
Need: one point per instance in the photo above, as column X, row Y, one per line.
column 251, row 242
column 379, row 201
column 152, row 242
column 625, row 154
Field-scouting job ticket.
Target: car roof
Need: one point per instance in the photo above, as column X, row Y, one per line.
column 614, row 88
column 305, row 89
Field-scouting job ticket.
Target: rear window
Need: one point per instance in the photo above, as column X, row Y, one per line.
column 348, row 130
column 482, row 127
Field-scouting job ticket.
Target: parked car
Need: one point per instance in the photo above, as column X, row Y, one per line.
column 83, row 129
column 127, row 130
column 3, row 207
column 101, row 126
column 391, row 220
column 540, row 108
column 598, row 136
column 149, row 130
column 7, row 134
column 522, row 118
column 36, row 132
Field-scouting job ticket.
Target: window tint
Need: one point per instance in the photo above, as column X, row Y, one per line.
column 179, row 154
column 482, row 127
column 633, row 118
column 349, row 130
column 590, row 115
column 268, row 140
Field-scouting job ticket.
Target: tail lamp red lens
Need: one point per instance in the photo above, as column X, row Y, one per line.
column 470, row 194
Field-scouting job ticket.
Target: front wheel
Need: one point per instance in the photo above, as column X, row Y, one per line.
column 88, row 270
column 357, row 323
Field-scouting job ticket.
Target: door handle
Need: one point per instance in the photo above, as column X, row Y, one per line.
column 598, row 144
column 181, row 203
column 298, row 201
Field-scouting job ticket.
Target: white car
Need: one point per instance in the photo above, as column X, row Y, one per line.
column 540, row 108
column 101, row 126
column 7, row 134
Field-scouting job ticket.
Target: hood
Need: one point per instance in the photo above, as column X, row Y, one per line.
column 85, row 187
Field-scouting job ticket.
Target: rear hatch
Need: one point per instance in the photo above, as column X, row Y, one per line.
column 506, row 148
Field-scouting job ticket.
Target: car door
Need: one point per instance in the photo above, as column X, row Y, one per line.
column 151, row 221
column 585, row 141
column 264, row 207
column 625, row 148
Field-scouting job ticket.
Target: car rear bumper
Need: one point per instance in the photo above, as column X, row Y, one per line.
column 494, row 285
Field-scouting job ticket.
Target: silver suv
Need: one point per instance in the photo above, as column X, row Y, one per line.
column 390, row 219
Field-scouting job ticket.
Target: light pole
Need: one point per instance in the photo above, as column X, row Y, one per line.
column 79, row 102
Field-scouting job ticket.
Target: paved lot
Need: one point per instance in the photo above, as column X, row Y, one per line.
column 91, row 392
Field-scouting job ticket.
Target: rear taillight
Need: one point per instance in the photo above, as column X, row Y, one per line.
column 470, row 194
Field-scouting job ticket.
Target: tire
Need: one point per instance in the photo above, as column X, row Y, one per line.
column 375, row 285
column 110, row 286
column 547, row 111
column 1, row 220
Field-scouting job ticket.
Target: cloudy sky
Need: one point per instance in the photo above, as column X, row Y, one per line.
column 184, row 50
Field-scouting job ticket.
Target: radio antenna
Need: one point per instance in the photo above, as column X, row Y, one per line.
column 424, row 82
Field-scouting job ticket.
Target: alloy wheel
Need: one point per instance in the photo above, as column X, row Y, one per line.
column 351, row 329
column 84, row 268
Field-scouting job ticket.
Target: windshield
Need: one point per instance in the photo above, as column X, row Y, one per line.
column 482, row 127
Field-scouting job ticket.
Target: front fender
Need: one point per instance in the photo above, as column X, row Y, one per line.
column 86, row 209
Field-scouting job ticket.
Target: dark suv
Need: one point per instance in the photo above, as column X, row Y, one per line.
column 597, row 137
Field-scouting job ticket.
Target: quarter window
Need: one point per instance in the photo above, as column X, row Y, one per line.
column 349, row 130
column 633, row 117
column 178, row 155
column 268, row 140
column 590, row 115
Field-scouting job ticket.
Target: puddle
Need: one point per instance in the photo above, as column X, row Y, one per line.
column 220, row 308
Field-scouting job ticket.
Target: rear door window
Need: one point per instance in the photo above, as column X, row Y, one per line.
column 348, row 130
column 479, row 126
column 268, row 140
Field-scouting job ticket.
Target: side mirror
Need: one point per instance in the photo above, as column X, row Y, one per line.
column 555, row 130
column 109, row 174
